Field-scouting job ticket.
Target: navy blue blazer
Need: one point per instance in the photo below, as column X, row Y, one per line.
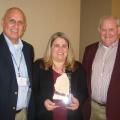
column 43, row 89
column 8, row 82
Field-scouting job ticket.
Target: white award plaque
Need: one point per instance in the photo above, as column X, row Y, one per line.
column 62, row 95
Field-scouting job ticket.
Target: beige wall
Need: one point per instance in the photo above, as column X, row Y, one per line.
column 45, row 17
column 116, row 8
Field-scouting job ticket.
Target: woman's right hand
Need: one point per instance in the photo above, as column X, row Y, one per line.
column 49, row 105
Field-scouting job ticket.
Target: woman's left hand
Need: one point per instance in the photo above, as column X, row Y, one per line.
column 75, row 103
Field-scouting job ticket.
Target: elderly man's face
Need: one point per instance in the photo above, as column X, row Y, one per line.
column 14, row 25
column 109, row 31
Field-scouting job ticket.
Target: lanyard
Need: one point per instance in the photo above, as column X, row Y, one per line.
column 17, row 65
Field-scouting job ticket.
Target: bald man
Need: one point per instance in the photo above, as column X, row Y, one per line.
column 16, row 58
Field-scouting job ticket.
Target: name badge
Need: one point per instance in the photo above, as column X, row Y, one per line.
column 22, row 81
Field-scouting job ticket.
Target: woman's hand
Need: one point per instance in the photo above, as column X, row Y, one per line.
column 49, row 105
column 75, row 103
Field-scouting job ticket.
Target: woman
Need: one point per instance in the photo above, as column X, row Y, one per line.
column 57, row 61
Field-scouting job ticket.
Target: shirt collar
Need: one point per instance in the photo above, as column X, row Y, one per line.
column 11, row 45
column 115, row 44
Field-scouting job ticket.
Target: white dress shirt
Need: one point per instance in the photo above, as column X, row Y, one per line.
column 102, row 70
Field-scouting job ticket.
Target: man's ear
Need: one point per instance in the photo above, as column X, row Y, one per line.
column 119, row 29
column 98, row 29
column 25, row 26
column 2, row 21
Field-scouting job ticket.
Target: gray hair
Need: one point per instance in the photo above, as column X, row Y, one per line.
column 108, row 17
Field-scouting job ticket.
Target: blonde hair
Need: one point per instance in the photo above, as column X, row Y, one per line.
column 70, row 60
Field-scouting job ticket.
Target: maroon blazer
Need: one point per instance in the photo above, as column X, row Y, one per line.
column 113, row 96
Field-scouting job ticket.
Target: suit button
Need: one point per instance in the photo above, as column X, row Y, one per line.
column 15, row 93
column 14, row 108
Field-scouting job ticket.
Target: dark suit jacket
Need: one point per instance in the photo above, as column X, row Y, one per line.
column 43, row 89
column 113, row 96
column 8, row 82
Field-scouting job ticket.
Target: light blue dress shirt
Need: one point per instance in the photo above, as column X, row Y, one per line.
column 20, row 68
